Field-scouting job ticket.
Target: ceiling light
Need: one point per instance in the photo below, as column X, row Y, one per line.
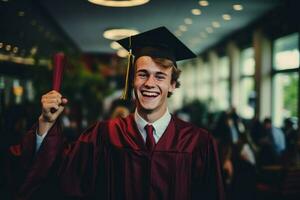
column 118, row 3
column 226, row 17
column 1, row 45
column 188, row 21
column 196, row 11
column 5, row 0
column 122, row 53
column 117, row 34
column 15, row 49
column 8, row 47
column 182, row 28
column 203, row 3
column 209, row 29
column 115, row 45
column 237, row 7
column 33, row 50
column 215, row 24
column 178, row 33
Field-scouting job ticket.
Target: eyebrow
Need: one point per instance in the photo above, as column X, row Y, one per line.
column 145, row 71
column 161, row 73
column 142, row 70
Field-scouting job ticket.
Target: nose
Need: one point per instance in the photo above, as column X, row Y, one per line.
column 150, row 82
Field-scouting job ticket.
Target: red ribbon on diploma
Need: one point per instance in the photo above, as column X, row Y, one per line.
column 57, row 73
column 58, row 70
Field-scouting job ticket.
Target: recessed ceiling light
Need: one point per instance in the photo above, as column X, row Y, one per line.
column 122, row 53
column 33, row 50
column 188, row 21
column 178, row 33
column 182, row 28
column 196, row 11
column 8, row 47
column 215, row 24
column 203, row 3
column 237, row 7
column 209, row 29
column 115, row 45
column 117, row 34
column 15, row 49
column 118, row 3
column 226, row 17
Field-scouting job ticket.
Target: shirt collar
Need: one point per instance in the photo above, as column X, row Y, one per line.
column 159, row 125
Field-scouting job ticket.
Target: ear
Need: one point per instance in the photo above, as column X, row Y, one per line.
column 173, row 87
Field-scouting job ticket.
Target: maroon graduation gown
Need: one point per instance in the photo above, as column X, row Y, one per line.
column 110, row 161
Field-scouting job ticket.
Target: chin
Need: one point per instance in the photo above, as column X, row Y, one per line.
column 147, row 108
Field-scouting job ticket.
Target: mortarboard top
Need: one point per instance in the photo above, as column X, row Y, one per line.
column 158, row 43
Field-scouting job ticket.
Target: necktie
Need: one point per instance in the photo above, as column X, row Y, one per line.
column 150, row 142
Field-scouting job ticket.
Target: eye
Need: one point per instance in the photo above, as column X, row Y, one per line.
column 142, row 74
column 160, row 77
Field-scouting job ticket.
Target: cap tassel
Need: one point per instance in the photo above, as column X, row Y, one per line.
column 128, row 79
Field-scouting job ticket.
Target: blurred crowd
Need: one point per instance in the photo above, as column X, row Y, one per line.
column 257, row 157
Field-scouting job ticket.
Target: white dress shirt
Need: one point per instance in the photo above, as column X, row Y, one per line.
column 39, row 140
column 159, row 125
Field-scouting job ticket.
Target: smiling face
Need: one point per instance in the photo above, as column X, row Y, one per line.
column 152, row 83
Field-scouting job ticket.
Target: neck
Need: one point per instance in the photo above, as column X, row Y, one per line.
column 151, row 116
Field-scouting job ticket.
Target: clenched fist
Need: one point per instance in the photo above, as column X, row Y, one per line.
column 52, row 106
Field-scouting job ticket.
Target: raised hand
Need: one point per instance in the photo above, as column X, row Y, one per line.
column 52, row 106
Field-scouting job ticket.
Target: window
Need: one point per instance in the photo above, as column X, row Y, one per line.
column 247, row 92
column 205, row 82
column 286, row 52
column 223, row 83
column 285, row 78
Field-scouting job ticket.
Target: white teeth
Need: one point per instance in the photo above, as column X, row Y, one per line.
column 150, row 94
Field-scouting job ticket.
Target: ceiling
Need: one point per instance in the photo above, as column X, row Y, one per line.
column 85, row 22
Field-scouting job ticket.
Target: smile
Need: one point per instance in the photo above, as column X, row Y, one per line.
column 149, row 93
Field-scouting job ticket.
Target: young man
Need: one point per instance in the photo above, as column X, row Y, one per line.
column 148, row 155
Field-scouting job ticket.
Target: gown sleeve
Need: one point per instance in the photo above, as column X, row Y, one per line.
column 29, row 173
column 57, row 169
column 207, row 177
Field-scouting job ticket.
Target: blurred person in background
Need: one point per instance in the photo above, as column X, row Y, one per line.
column 272, row 144
column 291, row 156
column 237, row 157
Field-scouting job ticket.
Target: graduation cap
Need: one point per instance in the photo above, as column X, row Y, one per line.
column 156, row 43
